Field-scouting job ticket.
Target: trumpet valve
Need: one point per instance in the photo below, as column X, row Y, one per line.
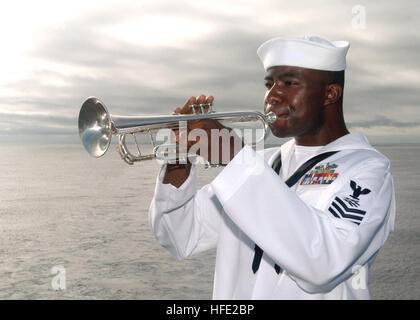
column 202, row 107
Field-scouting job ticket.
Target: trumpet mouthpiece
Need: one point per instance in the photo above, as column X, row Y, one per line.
column 271, row 117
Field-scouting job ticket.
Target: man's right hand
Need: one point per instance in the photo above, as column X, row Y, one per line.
column 176, row 174
column 225, row 147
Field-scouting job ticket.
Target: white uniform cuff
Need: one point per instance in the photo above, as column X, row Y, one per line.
column 171, row 194
column 247, row 162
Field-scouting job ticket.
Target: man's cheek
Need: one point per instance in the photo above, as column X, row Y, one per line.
column 265, row 103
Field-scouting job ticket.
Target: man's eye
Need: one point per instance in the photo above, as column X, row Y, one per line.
column 290, row 83
column 268, row 85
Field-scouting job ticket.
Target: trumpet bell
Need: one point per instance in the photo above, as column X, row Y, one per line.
column 95, row 127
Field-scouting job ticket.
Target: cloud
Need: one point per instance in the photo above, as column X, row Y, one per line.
column 126, row 54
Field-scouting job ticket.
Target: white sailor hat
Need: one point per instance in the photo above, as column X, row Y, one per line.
column 306, row 52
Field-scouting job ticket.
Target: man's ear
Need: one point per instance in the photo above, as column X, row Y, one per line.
column 333, row 93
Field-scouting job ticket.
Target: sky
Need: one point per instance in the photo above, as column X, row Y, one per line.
column 147, row 57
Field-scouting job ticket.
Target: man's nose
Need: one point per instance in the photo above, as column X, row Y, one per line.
column 275, row 95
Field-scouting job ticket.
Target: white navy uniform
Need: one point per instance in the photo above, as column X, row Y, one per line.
column 322, row 234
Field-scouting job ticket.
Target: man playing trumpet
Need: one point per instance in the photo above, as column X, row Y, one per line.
column 300, row 221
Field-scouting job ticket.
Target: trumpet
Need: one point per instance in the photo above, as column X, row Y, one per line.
column 97, row 126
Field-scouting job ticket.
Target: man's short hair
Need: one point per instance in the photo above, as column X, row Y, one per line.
column 336, row 77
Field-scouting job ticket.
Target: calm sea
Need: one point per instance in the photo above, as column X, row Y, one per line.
column 74, row 227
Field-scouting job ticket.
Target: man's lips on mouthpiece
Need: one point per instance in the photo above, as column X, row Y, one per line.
column 281, row 113
column 283, row 116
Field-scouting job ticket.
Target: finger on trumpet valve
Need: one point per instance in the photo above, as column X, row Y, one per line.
column 193, row 108
column 202, row 105
column 209, row 107
column 201, row 108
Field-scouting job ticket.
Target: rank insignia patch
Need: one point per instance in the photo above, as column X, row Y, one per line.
column 322, row 174
column 347, row 209
column 340, row 210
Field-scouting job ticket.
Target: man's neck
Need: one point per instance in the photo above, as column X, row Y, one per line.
column 331, row 128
